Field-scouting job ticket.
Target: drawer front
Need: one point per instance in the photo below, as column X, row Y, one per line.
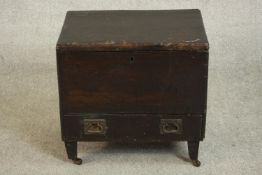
column 131, row 127
column 133, row 82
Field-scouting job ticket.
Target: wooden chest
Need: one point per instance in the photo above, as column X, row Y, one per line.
column 133, row 76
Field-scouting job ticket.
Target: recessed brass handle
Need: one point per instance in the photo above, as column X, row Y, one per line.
column 95, row 126
column 170, row 126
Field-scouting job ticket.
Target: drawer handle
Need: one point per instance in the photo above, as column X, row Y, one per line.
column 95, row 126
column 170, row 126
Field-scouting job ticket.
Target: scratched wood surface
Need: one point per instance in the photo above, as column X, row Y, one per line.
column 134, row 30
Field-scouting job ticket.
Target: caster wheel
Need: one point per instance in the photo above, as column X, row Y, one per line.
column 196, row 163
column 77, row 161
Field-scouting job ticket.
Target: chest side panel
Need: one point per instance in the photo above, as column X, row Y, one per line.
column 133, row 82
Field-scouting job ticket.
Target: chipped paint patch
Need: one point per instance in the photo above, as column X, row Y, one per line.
column 108, row 42
column 111, row 45
column 192, row 41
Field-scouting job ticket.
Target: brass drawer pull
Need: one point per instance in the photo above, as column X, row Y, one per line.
column 170, row 126
column 95, row 126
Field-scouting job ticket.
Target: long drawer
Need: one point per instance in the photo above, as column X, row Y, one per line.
column 131, row 127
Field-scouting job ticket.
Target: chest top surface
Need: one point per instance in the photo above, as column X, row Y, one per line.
column 134, row 30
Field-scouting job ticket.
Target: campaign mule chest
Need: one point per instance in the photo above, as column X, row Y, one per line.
column 133, row 76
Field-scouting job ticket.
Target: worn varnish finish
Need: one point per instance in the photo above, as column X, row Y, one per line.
column 133, row 30
column 133, row 76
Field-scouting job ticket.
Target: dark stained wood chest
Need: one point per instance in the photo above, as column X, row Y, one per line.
column 133, row 76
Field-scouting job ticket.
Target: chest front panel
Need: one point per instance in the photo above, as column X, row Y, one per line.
column 133, row 82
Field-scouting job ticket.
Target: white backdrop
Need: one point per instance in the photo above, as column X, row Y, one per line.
column 30, row 140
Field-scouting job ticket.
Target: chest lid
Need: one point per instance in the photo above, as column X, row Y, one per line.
column 134, row 30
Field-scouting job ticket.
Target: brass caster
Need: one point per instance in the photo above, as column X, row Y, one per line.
column 77, row 161
column 196, row 163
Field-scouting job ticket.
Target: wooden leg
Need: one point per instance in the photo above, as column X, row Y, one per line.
column 71, row 149
column 193, row 147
